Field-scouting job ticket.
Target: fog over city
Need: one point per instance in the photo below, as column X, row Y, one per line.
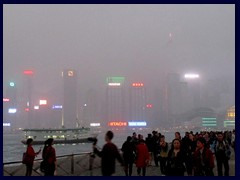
column 143, row 43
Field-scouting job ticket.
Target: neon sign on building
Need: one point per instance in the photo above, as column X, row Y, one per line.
column 137, row 84
column 6, row 99
column 95, row 124
column 137, row 123
column 114, row 84
column 117, row 123
column 42, row 102
column 115, row 81
column 28, row 72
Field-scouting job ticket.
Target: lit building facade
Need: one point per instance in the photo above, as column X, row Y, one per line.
column 27, row 101
column 230, row 118
column 137, row 101
column 115, row 99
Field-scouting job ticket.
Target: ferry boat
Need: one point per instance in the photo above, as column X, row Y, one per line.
column 60, row 136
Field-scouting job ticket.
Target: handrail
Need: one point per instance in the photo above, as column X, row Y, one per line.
column 67, row 164
column 60, row 156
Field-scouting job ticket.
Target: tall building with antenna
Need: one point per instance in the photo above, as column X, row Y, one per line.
column 70, row 99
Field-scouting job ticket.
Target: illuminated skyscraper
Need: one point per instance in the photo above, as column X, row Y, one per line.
column 70, row 116
column 27, row 102
column 115, row 99
column 137, row 102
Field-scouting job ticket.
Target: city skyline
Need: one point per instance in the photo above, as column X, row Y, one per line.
column 141, row 42
column 92, row 106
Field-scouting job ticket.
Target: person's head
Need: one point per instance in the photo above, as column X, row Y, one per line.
column 149, row 136
column 29, row 141
column 206, row 135
column 177, row 135
column 176, row 144
column 134, row 134
column 162, row 138
column 201, row 143
column 191, row 136
column 154, row 133
column 140, row 136
column 49, row 141
column 109, row 136
column 220, row 136
column 129, row 138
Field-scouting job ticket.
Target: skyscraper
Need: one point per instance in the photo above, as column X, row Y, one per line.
column 137, row 101
column 172, row 97
column 27, row 102
column 115, row 99
column 70, row 98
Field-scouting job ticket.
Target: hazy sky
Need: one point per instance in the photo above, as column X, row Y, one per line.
column 117, row 40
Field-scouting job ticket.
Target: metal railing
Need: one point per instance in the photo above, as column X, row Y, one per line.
column 67, row 165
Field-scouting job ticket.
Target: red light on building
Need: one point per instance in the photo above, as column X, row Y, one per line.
column 26, row 109
column 137, row 84
column 149, row 105
column 6, row 100
column 28, row 72
column 117, row 123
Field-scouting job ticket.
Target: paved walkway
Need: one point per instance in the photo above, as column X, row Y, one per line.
column 155, row 171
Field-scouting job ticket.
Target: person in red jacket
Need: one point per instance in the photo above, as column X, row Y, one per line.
column 31, row 154
column 203, row 161
column 142, row 158
column 49, row 156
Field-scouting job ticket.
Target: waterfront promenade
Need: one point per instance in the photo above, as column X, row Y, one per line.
column 79, row 165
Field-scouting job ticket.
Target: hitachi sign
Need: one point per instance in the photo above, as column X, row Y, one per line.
column 117, row 123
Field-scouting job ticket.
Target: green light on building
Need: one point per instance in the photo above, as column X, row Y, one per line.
column 208, row 125
column 209, row 122
column 229, row 123
column 115, row 81
column 12, row 84
column 209, row 118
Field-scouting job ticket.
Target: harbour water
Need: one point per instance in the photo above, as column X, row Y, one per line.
column 13, row 148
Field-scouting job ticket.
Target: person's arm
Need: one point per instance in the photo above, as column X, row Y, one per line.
column 96, row 151
column 40, row 149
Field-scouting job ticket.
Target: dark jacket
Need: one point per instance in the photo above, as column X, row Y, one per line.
column 128, row 150
column 176, row 164
column 108, row 154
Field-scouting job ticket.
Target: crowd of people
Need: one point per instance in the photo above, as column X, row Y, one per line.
column 194, row 154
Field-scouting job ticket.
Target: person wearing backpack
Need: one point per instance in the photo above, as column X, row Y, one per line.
column 222, row 151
